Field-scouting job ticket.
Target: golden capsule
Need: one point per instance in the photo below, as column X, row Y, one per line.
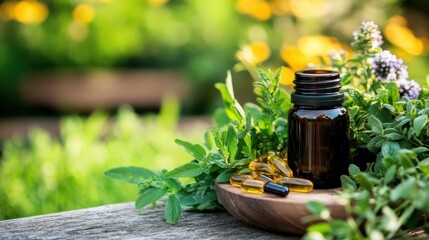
column 265, row 178
column 254, row 174
column 261, row 167
column 264, row 158
column 297, row 184
column 253, row 186
column 281, row 166
column 237, row 179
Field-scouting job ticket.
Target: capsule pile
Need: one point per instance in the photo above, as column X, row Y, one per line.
column 270, row 173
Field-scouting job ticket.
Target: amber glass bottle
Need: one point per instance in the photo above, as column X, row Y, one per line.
column 318, row 144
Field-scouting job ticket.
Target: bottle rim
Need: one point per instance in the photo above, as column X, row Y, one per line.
column 316, row 74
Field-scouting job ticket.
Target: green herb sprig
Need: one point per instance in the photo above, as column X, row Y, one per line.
column 240, row 135
column 387, row 191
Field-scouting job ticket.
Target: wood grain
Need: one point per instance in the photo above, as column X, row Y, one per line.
column 120, row 221
column 268, row 211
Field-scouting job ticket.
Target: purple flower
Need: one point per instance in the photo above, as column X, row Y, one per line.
column 409, row 89
column 387, row 67
column 367, row 38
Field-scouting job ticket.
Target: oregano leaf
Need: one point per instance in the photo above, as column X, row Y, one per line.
column 172, row 210
column 424, row 166
column 190, row 169
column 375, row 124
column 231, row 142
column 149, row 196
column 196, row 150
column 419, row 124
column 224, row 176
column 353, row 169
column 134, row 175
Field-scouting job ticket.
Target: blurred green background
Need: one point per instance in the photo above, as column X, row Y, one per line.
column 70, row 65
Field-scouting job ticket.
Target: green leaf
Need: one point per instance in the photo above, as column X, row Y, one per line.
column 347, row 183
column 403, row 190
column 375, row 124
column 353, row 170
column 418, row 150
column 388, row 161
column 228, row 83
column 196, row 150
column 220, row 117
column 172, row 210
column 149, row 196
column 209, row 141
column 320, row 227
column 248, row 140
column 382, row 114
column 229, row 102
column 190, row 169
column 244, row 171
column 394, row 136
column 390, row 149
column 224, row 176
column 419, row 123
column 390, row 174
column 357, row 97
column 372, row 144
column 405, row 160
column 341, row 227
column 173, row 185
column 231, row 142
column 263, row 76
column 393, row 92
column 241, row 162
column 365, row 180
column 346, row 79
column 316, row 207
column 226, row 96
column 134, row 175
column 424, row 166
column 278, row 74
column 389, row 107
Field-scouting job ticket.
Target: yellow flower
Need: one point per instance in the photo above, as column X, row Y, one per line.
column 258, row 9
column 287, row 77
column 397, row 32
column 255, row 53
column 30, row 12
column 261, row 51
column 83, row 13
column 308, row 50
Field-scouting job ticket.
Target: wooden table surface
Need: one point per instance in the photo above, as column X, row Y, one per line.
column 120, row 221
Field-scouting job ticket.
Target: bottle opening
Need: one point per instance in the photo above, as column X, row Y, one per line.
column 317, row 74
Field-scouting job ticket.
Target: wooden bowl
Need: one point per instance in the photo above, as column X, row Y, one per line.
column 272, row 212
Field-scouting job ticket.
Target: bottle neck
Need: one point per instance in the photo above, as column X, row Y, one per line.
column 317, row 88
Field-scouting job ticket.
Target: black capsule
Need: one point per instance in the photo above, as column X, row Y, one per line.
column 276, row 189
